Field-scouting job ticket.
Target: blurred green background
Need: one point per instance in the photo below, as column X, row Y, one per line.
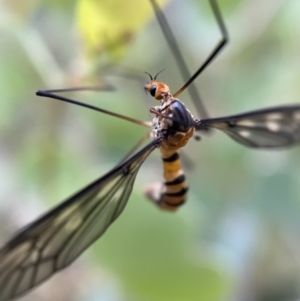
column 238, row 237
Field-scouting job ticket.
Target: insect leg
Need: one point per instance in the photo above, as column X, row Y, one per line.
column 50, row 94
column 215, row 51
column 173, row 45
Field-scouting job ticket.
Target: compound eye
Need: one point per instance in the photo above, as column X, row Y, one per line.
column 153, row 90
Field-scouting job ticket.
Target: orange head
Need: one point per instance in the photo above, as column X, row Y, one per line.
column 157, row 89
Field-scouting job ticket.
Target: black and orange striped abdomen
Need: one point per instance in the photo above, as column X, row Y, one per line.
column 172, row 193
column 175, row 185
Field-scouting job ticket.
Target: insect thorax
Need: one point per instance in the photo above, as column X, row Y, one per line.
column 176, row 131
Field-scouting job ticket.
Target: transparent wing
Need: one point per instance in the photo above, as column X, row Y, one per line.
column 59, row 237
column 274, row 127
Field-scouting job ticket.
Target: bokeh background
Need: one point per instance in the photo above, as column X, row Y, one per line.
column 237, row 238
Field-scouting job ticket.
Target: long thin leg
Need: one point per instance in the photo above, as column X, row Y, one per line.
column 105, row 87
column 173, row 45
column 216, row 50
column 50, row 94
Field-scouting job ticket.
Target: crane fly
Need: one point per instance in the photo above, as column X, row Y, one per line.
column 56, row 239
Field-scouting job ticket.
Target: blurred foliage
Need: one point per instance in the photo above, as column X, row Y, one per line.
column 237, row 238
column 104, row 27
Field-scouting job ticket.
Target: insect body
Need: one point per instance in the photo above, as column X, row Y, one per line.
column 175, row 123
